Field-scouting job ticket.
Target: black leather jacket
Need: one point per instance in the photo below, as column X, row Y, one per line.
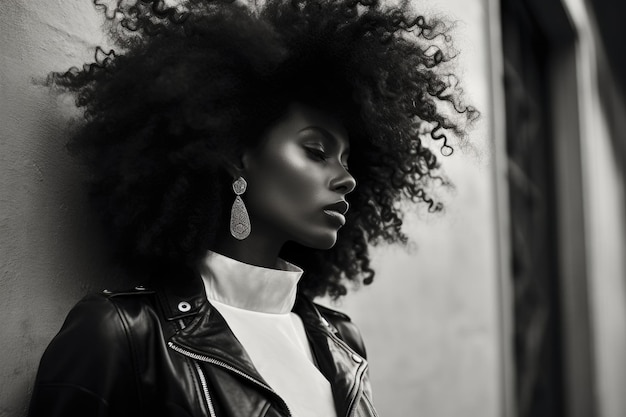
column 165, row 351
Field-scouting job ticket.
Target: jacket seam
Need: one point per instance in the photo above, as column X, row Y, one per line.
column 133, row 351
column 369, row 404
column 266, row 409
column 357, row 387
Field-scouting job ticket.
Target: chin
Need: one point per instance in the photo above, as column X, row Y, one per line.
column 322, row 242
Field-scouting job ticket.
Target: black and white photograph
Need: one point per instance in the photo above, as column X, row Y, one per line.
column 313, row 208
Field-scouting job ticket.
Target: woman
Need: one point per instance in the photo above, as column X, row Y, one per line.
column 225, row 144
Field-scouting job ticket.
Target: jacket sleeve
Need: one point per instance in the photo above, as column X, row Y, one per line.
column 88, row 368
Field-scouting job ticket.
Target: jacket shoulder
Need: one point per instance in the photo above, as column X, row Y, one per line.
column 346, row 329
column 89, row 365
column 100, row 318
column 108, row 309
column 99, row 312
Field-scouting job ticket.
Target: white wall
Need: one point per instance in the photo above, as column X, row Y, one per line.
column 431, row 318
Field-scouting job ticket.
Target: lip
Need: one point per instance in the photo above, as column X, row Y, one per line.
column 335, row 215
column 340, row 207
column 337, row 211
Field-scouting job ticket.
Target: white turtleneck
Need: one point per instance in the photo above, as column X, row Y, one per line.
column 256, row 303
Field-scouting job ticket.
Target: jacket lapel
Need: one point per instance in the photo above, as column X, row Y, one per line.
column 207, row 334
column 205, row 331
column 343, row 367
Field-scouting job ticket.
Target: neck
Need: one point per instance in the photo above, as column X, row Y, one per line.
column 257, row 249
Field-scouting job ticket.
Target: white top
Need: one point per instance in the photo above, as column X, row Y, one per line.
column 256, row 303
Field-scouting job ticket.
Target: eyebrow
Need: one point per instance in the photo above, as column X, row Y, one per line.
column 327, row 135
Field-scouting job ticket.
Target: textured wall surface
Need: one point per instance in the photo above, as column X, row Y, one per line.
column 49, row 251
column 430, row 319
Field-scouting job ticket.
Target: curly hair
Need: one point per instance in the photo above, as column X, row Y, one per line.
column 191, row 83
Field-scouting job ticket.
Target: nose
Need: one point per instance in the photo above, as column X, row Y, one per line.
column 344, row 182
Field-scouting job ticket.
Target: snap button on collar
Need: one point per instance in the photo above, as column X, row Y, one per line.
column 184, row 306
column 356, row 358
column 140, row 288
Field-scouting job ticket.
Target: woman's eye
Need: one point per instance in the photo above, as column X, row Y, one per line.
column 316, row 153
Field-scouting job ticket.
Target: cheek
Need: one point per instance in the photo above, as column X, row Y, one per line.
column 285, row 183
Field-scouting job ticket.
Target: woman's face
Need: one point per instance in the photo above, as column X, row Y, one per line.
column 298, row 179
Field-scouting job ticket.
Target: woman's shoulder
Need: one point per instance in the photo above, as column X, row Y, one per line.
column 93, row 358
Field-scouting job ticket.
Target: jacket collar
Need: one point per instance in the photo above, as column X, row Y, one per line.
column 206, row 334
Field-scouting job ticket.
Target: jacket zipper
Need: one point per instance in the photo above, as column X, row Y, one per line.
column 224, row 365
column 205, row 389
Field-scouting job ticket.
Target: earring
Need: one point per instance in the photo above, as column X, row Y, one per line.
column 239, row 219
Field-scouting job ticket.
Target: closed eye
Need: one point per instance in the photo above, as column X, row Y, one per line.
column 317, row 154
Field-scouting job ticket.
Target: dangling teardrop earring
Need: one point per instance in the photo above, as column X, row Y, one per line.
column 239, row 219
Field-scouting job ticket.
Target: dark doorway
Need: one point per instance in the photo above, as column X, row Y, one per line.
column 533, row 212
